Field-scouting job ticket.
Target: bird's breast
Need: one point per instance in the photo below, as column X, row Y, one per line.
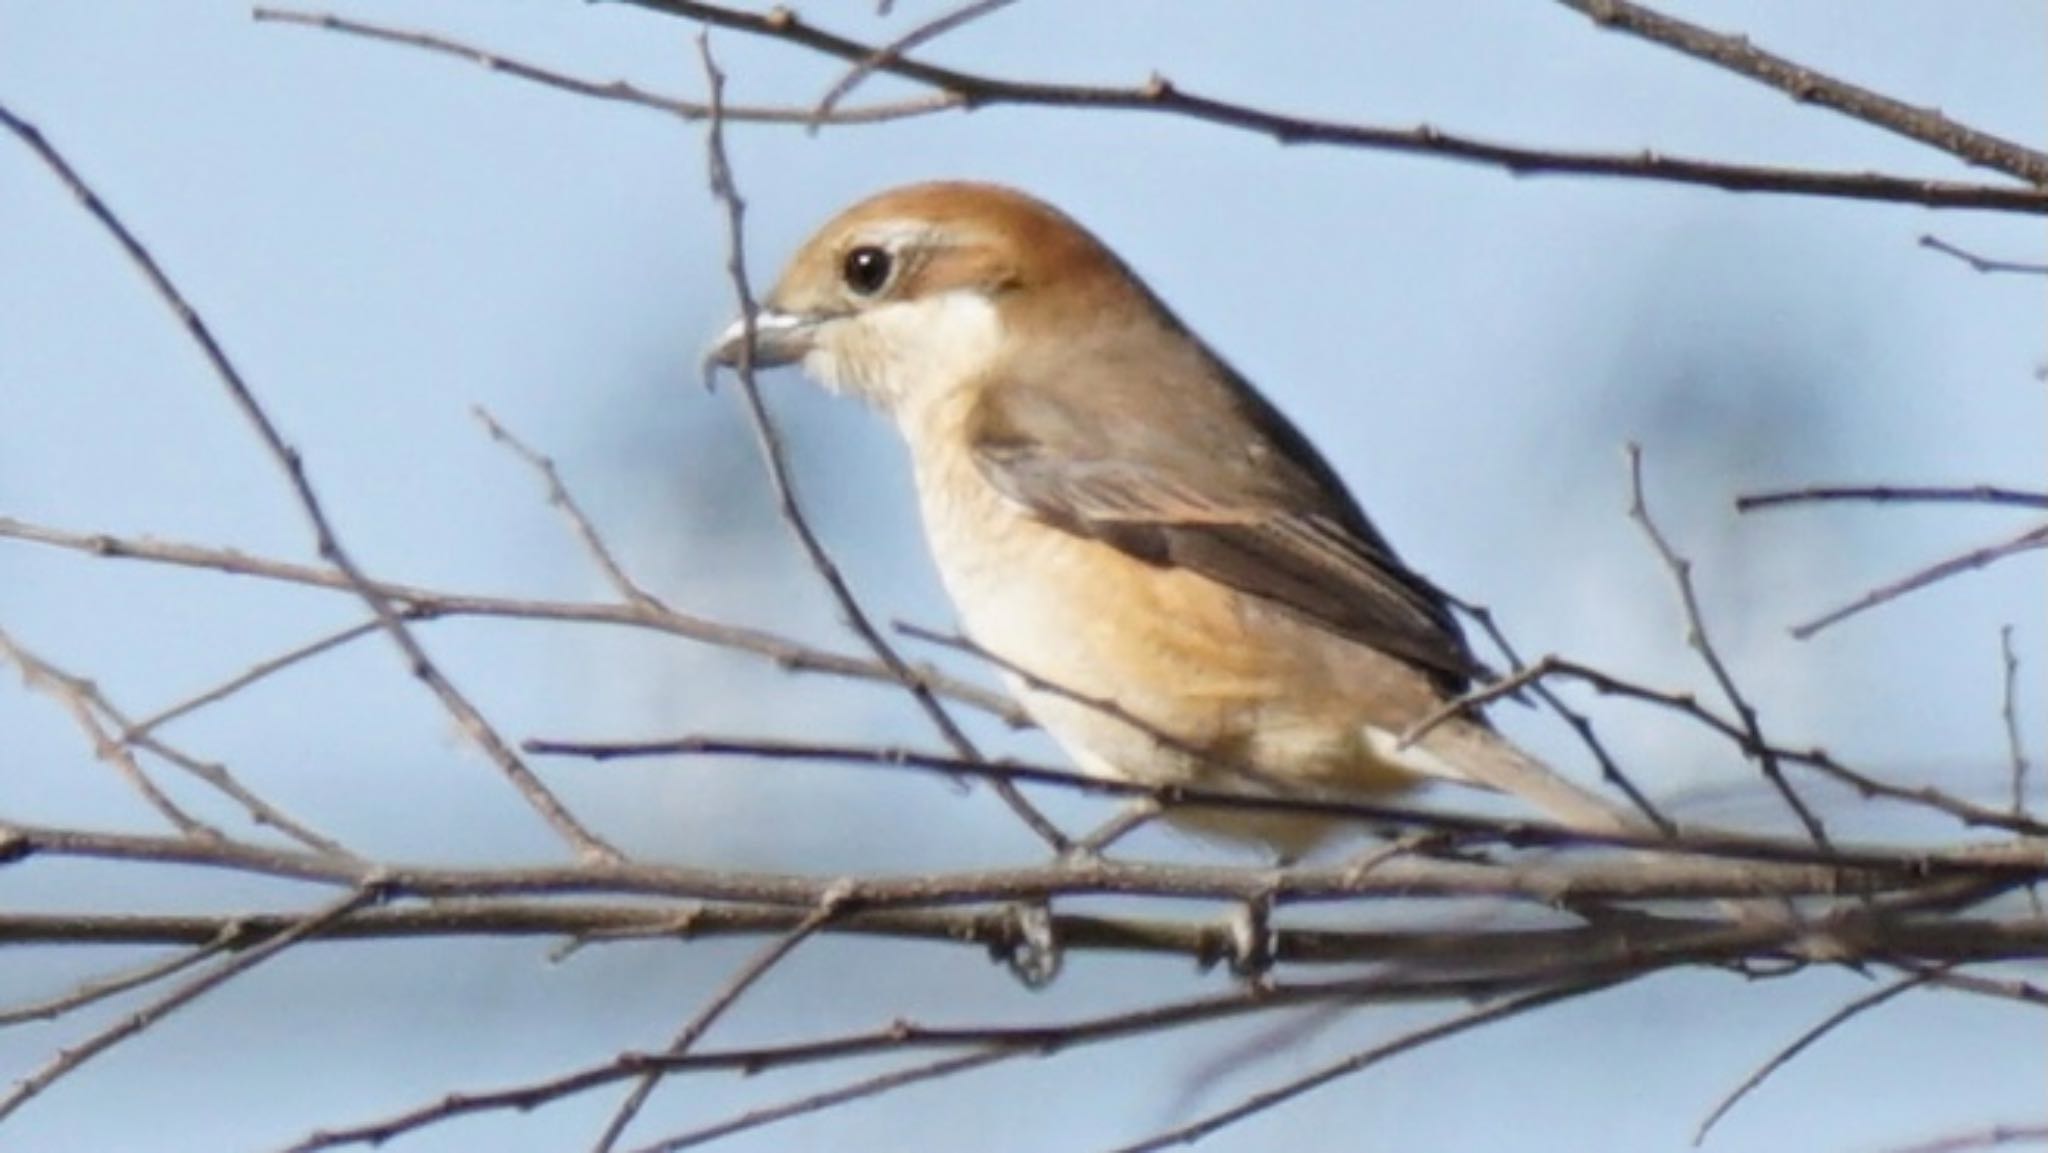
column 1162, row 643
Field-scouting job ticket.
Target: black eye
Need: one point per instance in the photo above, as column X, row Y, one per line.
column 866, row 269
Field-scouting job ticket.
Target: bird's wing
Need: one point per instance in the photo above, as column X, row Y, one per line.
column 1267, row 519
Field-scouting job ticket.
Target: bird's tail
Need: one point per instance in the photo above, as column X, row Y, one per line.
column 1477, row 755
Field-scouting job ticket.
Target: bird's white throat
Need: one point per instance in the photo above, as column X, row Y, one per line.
column 903, row 355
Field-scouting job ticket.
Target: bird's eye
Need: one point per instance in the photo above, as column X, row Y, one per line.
column 866, row 269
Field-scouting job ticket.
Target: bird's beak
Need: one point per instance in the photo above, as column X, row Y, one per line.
column 779, row 338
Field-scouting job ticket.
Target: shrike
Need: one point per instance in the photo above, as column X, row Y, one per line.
column 1118, row 514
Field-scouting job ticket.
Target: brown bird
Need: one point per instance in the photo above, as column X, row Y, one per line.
column 1116, row 512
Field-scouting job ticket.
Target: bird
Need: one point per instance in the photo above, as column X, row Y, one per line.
column 1178, row 586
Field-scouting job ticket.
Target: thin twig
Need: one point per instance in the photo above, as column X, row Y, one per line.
column 1753, row 744
column 69, row 1060
column 327, row 544
column 769, row 440
column 1976, row 558
column 1469, row 703
column 559, row 497
column 422, row 603
column 1135, row 814
column 138, row 735
column 261, row 670
column 1477, row 829
column 1257, row 1103
column 1809, row 86
column 1687, row 705
column 831, row 1098
column 1943, row 975
column 1424, row 982
column 1545, row 879
column 71, row 693
column 924, row 33
column 98, row 989
column 1805, row 1040
column 1984, row 494
column 735, row 987
column 1983, row 263
column 2015, row 1134
column 1580, row 724
column 2008, row 712
column 615, row 91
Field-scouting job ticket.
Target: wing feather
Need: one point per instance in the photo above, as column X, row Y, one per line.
column 1268, row 518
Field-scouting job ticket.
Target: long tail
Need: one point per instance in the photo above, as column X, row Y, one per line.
column 1480, row 756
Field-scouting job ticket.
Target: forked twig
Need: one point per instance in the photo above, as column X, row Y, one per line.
column 613, row 91
column 1753, row 743
column 326, row 542
column 558, row 496
column 68, row 1061
column 729, row 994
column 924, row 33
column 1983, row 263
column 1806, row 1040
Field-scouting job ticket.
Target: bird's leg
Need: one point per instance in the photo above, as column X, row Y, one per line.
column 1032, row 948
column 1251, row 939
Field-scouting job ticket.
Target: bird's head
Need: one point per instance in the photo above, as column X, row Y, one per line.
column 926, row 289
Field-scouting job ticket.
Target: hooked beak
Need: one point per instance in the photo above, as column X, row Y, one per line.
column 779, row 338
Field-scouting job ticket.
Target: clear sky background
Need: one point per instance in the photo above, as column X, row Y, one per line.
column 383, row 239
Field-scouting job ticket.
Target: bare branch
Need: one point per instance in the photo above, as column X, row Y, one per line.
column 68, row 1061
column 98, row 989
column 327, row 544
column 2015, row 748
column 1753, row 743
column 831, row 1098
column 2024, row 992
column 421, row 603
column 1996, row 1135
column 1983, row 263
column 1805, row 1040
column 1376, row 988
column 1976, row 558
column 1726, row 867
column 924, row 33
column 558, row 496
column 255, row 673
column 1424, row 952
column 735, row 987
column 1581, row 725
column 137, row 735
column 1894, row 494
column 615, row 91
column 1808, row 86
column 72, row 693
column 1357, row 1062
column 1820, row 760
column 1472, row 829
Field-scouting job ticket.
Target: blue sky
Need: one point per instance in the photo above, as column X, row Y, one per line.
column 383, row 239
